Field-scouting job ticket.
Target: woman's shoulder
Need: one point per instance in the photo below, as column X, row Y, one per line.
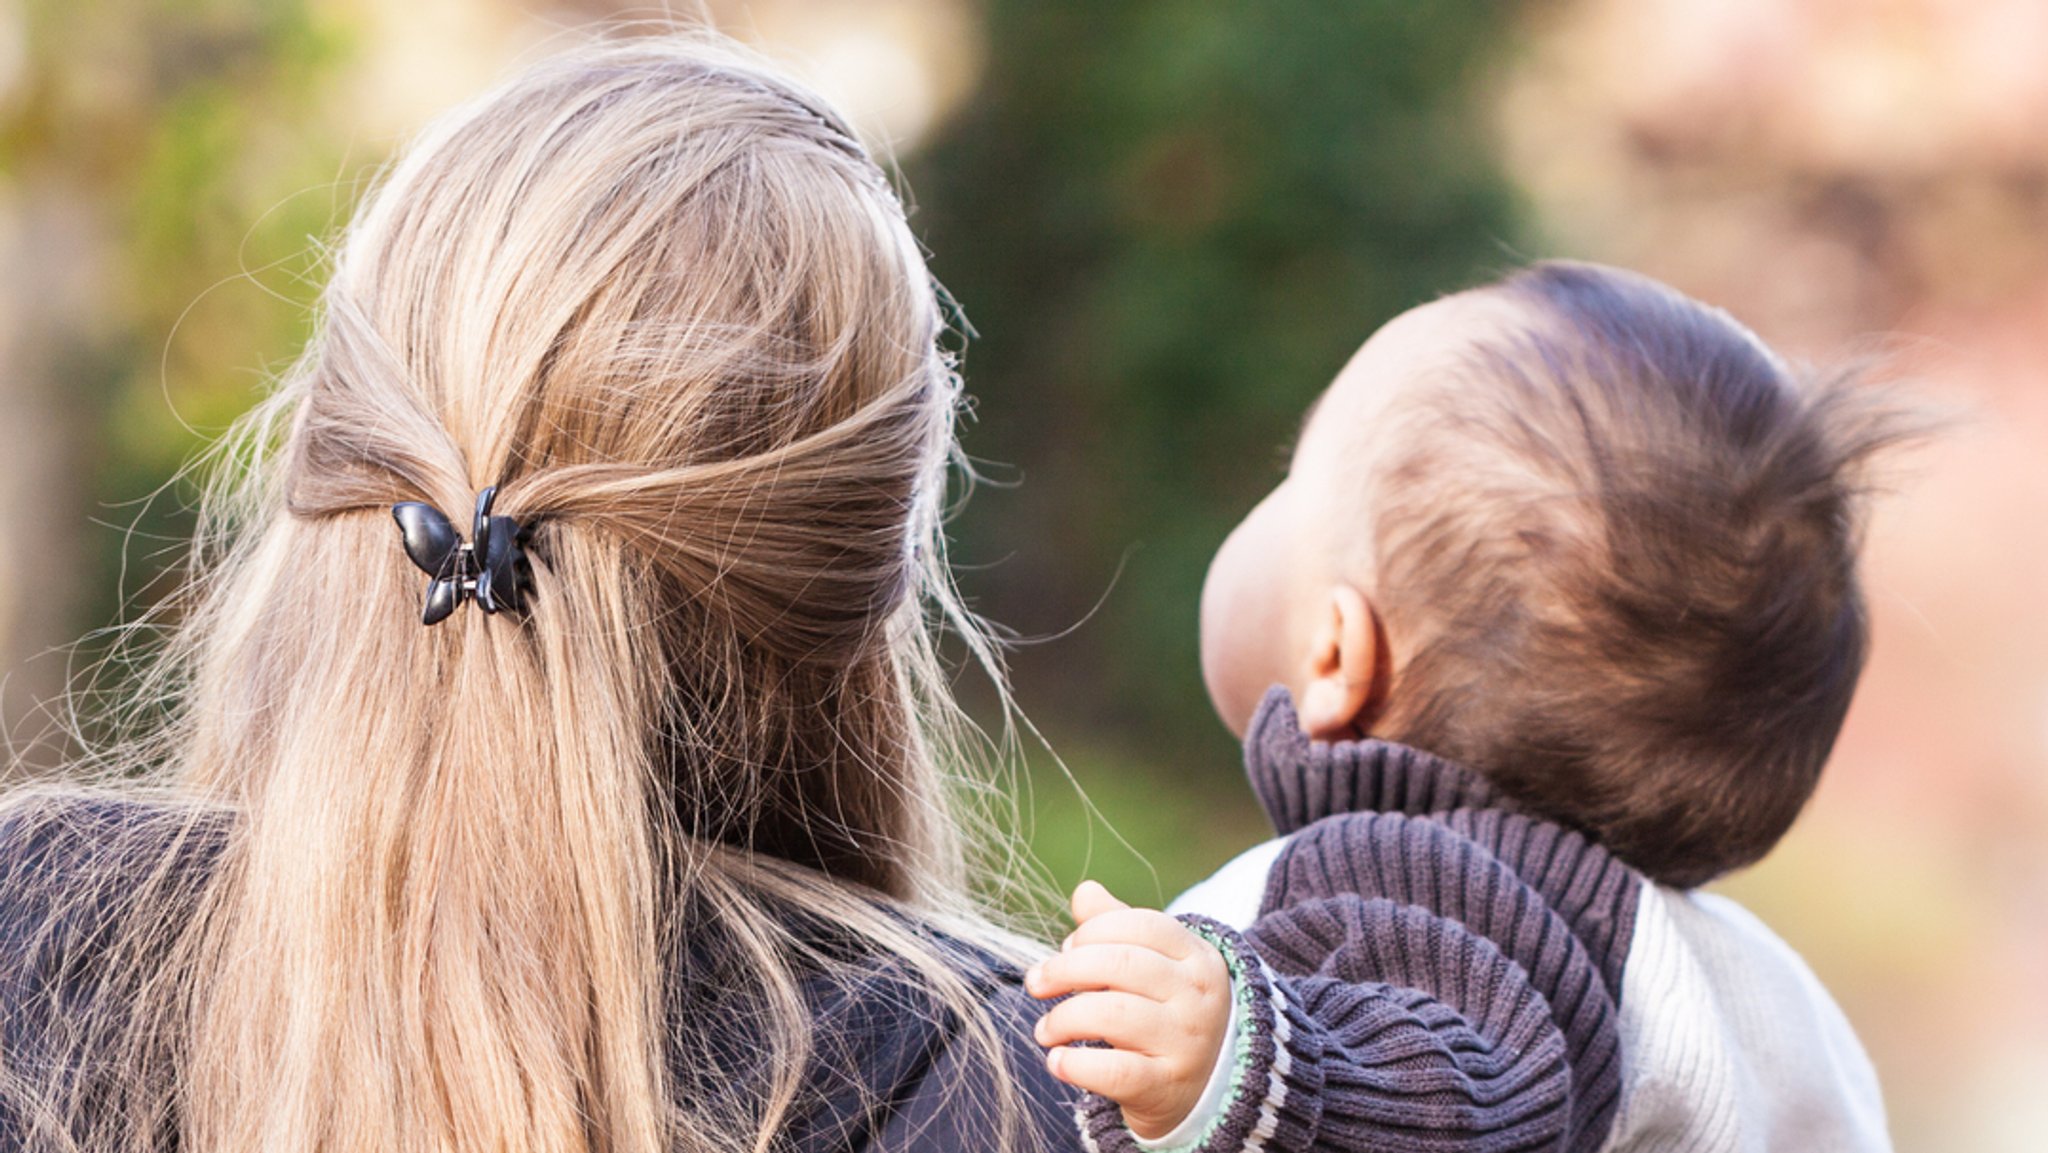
column 53, row 843
column 90, row 886
column 921, row 1056
column 75, row 864
column 974, row 1083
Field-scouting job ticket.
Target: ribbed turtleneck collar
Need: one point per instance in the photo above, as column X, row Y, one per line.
column 1301, row 781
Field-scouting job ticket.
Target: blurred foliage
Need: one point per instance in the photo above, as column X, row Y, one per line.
column 1133, row 825
column 1170, row 224
column 200, row 145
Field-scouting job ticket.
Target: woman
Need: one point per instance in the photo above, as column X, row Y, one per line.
column 649, row 844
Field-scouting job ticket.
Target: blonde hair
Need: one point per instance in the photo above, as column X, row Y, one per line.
column 664, row 300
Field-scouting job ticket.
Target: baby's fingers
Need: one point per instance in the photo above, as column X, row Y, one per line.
column 1120, row 1020
column 1092, row 899
column 1148, row 928
column 1122, row 1077
column 1125, row 968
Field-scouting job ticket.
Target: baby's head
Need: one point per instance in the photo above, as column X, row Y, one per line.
column 1580, row 533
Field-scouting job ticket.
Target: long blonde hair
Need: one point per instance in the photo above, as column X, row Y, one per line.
column 663, row 299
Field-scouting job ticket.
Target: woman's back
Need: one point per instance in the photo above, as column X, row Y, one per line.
column 885, row 1070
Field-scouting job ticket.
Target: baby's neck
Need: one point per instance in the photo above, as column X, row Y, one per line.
column 1301, row 781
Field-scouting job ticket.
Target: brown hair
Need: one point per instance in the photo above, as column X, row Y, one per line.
column 662, row 298
column 1617, row 549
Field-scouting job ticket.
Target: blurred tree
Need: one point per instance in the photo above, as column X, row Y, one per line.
column 1170, row 224
column 147, row 154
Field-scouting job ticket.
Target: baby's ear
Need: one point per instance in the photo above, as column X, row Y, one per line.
column 1346, row 678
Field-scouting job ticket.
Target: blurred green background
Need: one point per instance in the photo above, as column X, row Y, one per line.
column 1169, row 224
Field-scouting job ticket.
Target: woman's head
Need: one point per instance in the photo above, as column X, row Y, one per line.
column 664, row 301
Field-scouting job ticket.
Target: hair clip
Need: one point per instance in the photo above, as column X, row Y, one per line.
column 492, row 568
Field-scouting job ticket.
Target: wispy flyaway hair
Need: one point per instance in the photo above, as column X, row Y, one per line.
column 385, row 887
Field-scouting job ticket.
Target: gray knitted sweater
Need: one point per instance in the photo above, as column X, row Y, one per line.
column 1420, row 967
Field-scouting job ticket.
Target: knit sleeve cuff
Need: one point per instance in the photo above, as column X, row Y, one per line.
column 1276, row 1079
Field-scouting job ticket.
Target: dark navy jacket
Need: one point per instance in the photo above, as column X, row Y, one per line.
column 888, row 1074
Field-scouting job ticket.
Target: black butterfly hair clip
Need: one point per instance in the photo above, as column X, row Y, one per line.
column 492, row 568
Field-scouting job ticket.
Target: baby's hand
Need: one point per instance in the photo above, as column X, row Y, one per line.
column 1150, row 988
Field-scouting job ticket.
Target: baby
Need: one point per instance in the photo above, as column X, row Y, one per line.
column 1554, row 618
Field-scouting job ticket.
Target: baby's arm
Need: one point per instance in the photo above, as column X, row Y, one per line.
column 1396, row 1027
column 1149, row 988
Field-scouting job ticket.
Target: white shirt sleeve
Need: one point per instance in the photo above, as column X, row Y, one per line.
column 1233, row 893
